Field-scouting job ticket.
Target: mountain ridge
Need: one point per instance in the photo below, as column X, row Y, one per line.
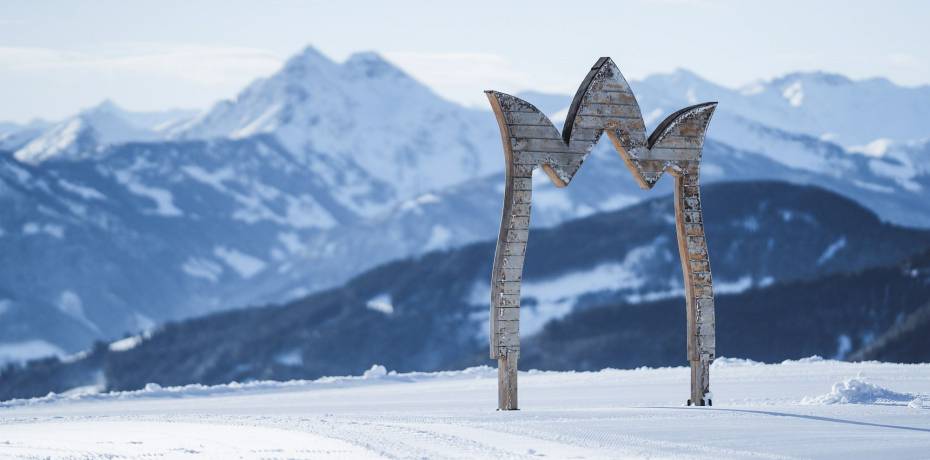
column 322, row 171
column 430, row 312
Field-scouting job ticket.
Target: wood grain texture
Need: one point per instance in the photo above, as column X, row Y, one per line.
column 507, row 381
column 604, row 104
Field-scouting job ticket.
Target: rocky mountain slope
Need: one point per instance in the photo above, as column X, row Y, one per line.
column 115, row 222
column 86, row 134
column 364, row 110
column 782, row 257
column 821, row 105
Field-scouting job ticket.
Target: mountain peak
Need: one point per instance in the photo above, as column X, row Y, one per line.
column 370, row 64
column 309, row 58
column 107, row 105
column 105, row 109
column 681, row 72
column 678, row 77
column 827, row 78
column 82, row 135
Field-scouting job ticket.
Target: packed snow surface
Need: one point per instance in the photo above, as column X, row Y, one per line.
column 797, row 409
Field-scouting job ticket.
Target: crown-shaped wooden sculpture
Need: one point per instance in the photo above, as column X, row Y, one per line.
column 604, row 104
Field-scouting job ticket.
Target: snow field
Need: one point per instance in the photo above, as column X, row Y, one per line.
column 761, row 411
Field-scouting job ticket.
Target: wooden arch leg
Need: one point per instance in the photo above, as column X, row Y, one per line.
column 699, row 293
column 506, row 279
column 700, row 382
column 507, row 381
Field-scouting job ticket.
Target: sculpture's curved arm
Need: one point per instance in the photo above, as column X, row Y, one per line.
column 522, row 126
column 677, row 145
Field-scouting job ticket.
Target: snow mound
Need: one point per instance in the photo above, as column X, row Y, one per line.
column 376, row 371
column 723, row 361
column 374, row 375
column 807, row 360
column 856, row 390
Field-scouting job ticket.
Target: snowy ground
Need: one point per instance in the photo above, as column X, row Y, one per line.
column 807, row 408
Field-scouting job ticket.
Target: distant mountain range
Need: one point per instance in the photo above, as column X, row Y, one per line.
column 115, row 222
column 793, row 278
column 876, row 314
column 87, row 133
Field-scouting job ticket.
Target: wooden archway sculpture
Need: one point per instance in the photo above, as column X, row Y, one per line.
column 604, row 104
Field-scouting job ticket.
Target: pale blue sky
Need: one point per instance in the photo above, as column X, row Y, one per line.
column 59, row 56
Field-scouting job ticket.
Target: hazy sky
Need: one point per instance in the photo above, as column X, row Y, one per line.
column 59, row 56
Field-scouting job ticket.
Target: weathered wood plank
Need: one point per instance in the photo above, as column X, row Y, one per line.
column 519, row 223
column 511, row 274
column 517, row 236
column 692, row 203
column 507, row 381
column 521, row 170
column 520, row 209
column 514, row 248
column 701, row 279
column 510, row 287
column 515, row 104
column 706, row 315
column 509, row 342
column 694, row 229
column 601, row 121
column 697, row 252
column 505, row 328
column 586, row 135
column 689, row 142
column 610, row 97
column 708, row 342
column 692, row 217
column 508, row 314
column 512, row 262
column 523, row 183
column 674, row 154
column 691, row 190
column 546, row 145
column 611, row 86
column 522, row 196
column 699, row 265
column 703, row 290
column 535, row 131
column 628, row 111
column 505, row 300
column 527, row 118
column 695, row 241
column 555, row 158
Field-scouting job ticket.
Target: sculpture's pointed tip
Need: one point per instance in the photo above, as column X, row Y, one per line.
column 493, row 95
column 711, row 106
column 601, row 62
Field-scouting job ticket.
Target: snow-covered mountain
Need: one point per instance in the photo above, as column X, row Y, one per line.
column 87, row 133
column 825, row 106
column 364, row 110
column 878, row 156
column 116, row 221
column 792, row 278
column 152, row 231
column 15, row 135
